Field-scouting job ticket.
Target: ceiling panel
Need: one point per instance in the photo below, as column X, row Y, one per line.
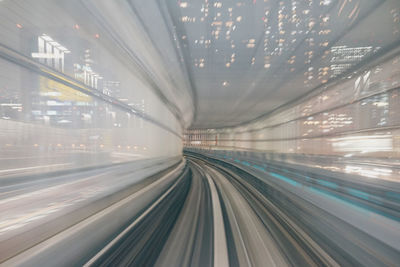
column 246, row 58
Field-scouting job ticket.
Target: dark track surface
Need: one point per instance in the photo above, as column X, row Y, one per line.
column 263, row 225
column 212, row 213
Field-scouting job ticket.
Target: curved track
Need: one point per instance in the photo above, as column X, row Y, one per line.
column 214, row 214
column 227, row 218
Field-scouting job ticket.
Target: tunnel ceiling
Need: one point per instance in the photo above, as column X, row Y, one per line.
column 246, row 58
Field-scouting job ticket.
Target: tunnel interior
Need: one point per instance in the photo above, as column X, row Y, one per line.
column 200, row 133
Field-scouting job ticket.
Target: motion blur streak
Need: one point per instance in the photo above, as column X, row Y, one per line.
column 199, row 133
